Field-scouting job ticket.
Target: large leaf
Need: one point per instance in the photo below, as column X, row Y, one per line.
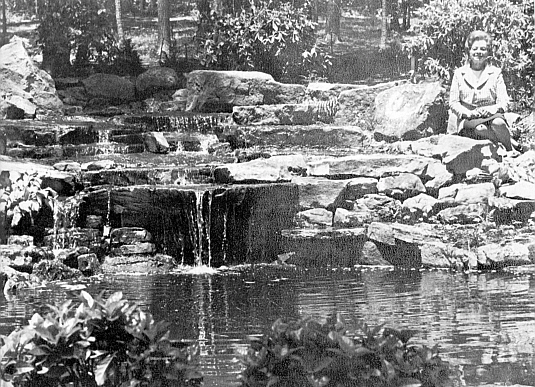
column 87, row 298
column 101, row 370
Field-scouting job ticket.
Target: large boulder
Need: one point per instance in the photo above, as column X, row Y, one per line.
column 271, row 170
column 110, row 87
column 520, row 190
column 23, row 83
column 409, row 112
column 464, row 214
column 356, row 105
column 496, row 255
column 318, row 192
column 461, row 194
column 156, row 79
column 418, row 208
column 155, row 142
column 212, row 91
column 401, row 186
column 461, row 154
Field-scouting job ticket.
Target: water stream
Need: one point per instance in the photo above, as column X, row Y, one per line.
column 483, row 323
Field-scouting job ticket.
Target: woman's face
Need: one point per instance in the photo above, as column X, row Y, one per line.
column 478, row 54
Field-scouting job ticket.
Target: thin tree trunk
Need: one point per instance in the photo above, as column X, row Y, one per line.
column 384, row 25
column 4, row 20
column 164, row 29
column 119, row 19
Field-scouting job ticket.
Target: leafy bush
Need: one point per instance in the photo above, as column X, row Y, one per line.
column 444, row 26
column 76, row 27
column 100, row 342
column 24, row 199
column 125, row 60
column 280, row 42
column 306, row 353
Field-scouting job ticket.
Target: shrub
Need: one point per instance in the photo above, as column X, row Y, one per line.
column 280, row 42
column 307, row 353
column 75, row 27
column 444, row 26
column 27, row 205
column 104, row 342
column 124, row 60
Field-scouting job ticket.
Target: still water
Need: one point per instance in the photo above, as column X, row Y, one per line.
column 483, row 323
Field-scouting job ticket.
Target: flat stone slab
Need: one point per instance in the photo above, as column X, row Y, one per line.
column 281, row 114
column 324, row 247
column 274, row 169
column 372, row 165
column 318, row 192
column 146, row 264
column 152, row 176
column 306, row 137
column 497, row 256
column 391, row 233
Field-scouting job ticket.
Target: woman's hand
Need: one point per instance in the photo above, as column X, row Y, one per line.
column 486, row 111
column 472, row 114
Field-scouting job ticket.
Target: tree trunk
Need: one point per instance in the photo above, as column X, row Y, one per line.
column 394, row 11
column 119, row 19
column 406, row 6
column 384, row 25
column 164, row 29
column 4, row 20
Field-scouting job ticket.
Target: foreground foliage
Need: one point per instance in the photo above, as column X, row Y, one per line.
column 440, row 36
column 100, row 342
column 279, row 41
column 307, row 353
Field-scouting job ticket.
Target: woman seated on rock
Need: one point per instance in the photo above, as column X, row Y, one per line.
column 478, row 96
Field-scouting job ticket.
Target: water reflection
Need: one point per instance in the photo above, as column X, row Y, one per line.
column 483, row 323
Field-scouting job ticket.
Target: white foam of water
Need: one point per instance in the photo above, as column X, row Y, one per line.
column 200, row 270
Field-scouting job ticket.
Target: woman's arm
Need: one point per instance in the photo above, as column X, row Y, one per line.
column 502, row 98
column 455, row 98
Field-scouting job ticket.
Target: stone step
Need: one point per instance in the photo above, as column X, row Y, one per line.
column 177, row 121
column 72, row 151
column 315, row 136
column 177, row 175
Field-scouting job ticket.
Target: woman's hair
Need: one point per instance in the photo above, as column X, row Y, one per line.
column 478, row 35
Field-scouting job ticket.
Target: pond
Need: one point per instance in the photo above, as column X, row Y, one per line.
column 483, row 323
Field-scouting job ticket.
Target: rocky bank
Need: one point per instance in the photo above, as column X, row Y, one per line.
column 138, row 174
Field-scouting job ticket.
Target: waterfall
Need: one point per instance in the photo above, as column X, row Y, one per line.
column 199, row 220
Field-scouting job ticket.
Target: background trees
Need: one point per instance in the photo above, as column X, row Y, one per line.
column 281, row 36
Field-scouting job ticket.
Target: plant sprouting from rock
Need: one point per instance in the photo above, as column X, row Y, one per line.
column 24, row 198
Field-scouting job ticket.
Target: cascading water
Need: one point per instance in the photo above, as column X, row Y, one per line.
column 199, row 218
column 65, row 216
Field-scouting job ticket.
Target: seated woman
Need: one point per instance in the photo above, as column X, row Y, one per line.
column 478, row 96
